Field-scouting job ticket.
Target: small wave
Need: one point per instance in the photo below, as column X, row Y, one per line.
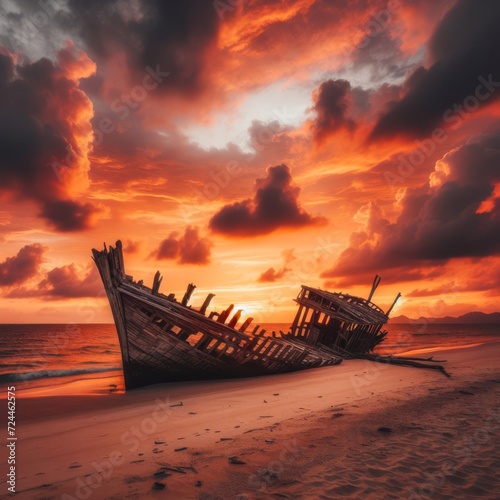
column 10, row 352
column 19, row 366
column 19, row 377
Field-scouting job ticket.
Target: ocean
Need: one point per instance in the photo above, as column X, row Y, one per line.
column 48, row 360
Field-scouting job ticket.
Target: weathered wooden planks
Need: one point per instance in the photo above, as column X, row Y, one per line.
column 340, row 321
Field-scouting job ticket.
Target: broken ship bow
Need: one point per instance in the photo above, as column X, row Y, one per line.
column 163, row 340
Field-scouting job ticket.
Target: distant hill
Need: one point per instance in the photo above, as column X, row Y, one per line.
column 476, row 318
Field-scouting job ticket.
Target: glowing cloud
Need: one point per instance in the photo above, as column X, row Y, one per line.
column 189, row 248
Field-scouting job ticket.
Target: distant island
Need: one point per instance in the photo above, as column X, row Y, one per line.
column 468, row 318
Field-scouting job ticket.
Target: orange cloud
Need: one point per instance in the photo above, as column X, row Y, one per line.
column 190, row 248
column 66, row 282
column 272, row 275
column 23, row 266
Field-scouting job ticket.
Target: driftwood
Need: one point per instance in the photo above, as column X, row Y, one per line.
column 431, row 359
column 393, row 360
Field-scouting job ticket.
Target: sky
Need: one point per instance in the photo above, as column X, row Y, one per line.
column 249, row 147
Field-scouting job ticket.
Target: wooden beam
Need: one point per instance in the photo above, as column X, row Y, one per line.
column 393, row 304
column 296, row 319
column 376, row 283
column 224, row 314
column 187, row 295
column 209, row 298
column 245, row 325
column 302, row 323
column 156, row 283
column 235, row 318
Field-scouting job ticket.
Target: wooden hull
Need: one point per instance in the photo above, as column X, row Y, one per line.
column 163, row 348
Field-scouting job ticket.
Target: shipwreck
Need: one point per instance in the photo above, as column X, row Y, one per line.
column 166, row 340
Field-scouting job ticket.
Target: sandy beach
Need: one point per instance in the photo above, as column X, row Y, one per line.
column 358, row 430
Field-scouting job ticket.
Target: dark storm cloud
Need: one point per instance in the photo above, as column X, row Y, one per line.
column 68, row 215
column 455, row 216
column 275, row 205
column 189, row 248
column 40, row 106
column 23, row 266
column 332, row 103
column 172, row 36
column 464, row 50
